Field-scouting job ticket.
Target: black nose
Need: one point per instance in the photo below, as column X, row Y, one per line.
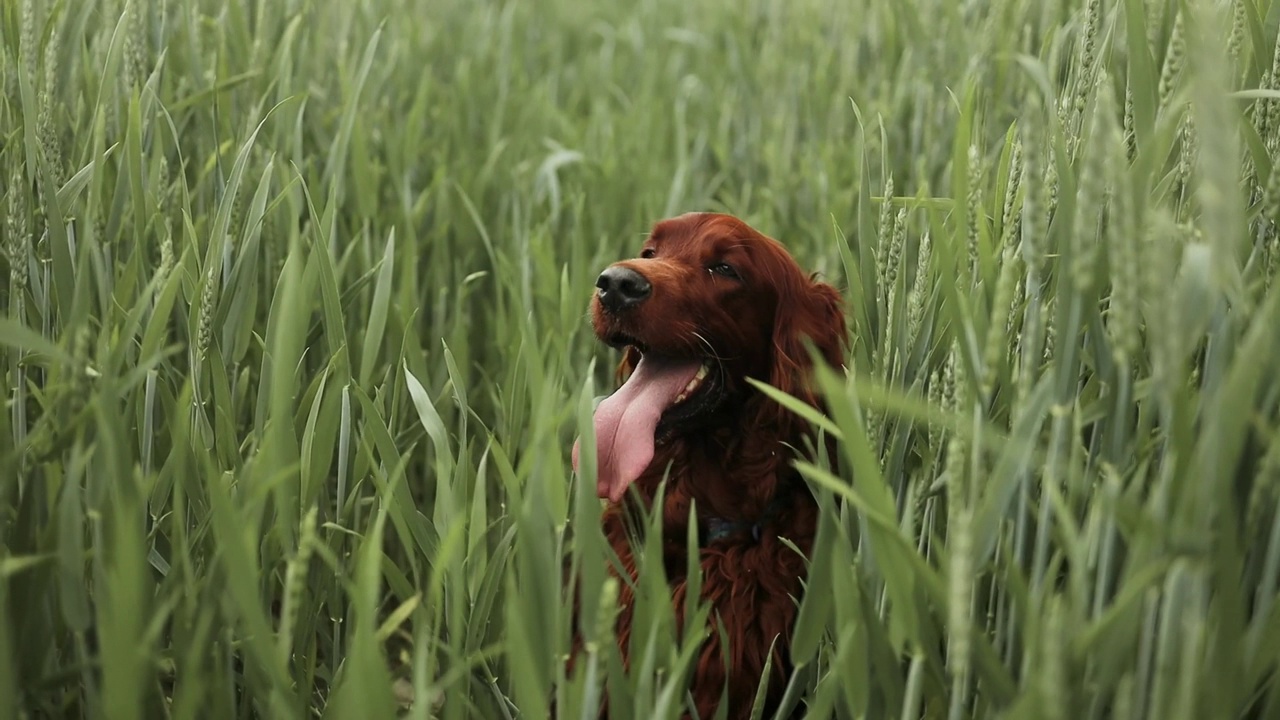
column 621, row 288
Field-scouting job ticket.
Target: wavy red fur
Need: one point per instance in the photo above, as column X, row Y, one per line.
column 724, row 293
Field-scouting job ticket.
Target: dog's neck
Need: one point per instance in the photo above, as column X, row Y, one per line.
column 734, row 476
column 738, row 471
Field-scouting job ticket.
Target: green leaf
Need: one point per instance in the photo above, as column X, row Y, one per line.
column 378, row 309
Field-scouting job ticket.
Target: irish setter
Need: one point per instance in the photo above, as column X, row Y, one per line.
column 709, row 303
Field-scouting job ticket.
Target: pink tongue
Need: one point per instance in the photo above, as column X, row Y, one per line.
column 626, row 420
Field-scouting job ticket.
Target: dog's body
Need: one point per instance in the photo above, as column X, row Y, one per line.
column 710, row 303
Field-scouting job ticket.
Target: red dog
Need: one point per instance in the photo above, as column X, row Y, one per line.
column 709, row 303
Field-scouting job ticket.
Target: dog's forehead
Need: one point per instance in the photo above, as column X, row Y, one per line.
column 705, row 233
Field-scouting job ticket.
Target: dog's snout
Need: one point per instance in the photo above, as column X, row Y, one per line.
column 621, row 288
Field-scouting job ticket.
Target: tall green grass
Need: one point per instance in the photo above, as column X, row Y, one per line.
column 295, row 347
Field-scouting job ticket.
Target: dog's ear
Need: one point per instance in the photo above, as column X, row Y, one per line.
column 807, row 310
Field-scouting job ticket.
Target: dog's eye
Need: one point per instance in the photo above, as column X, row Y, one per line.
column 724, row 269
column 648, row 253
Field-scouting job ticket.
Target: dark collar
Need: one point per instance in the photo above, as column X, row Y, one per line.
column 718, row 528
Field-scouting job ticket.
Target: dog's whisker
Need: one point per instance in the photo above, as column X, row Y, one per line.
column 711, row 352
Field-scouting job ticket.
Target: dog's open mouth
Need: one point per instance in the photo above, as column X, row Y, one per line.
column 698, row 398
column 693, row 385
column 663, row 395
column 621, row 340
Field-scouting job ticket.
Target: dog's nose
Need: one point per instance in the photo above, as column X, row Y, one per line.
column 621, row 288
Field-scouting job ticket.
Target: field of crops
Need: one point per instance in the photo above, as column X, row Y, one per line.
column 294, row 346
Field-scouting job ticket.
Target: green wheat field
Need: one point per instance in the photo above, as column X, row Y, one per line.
column 295, row 346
